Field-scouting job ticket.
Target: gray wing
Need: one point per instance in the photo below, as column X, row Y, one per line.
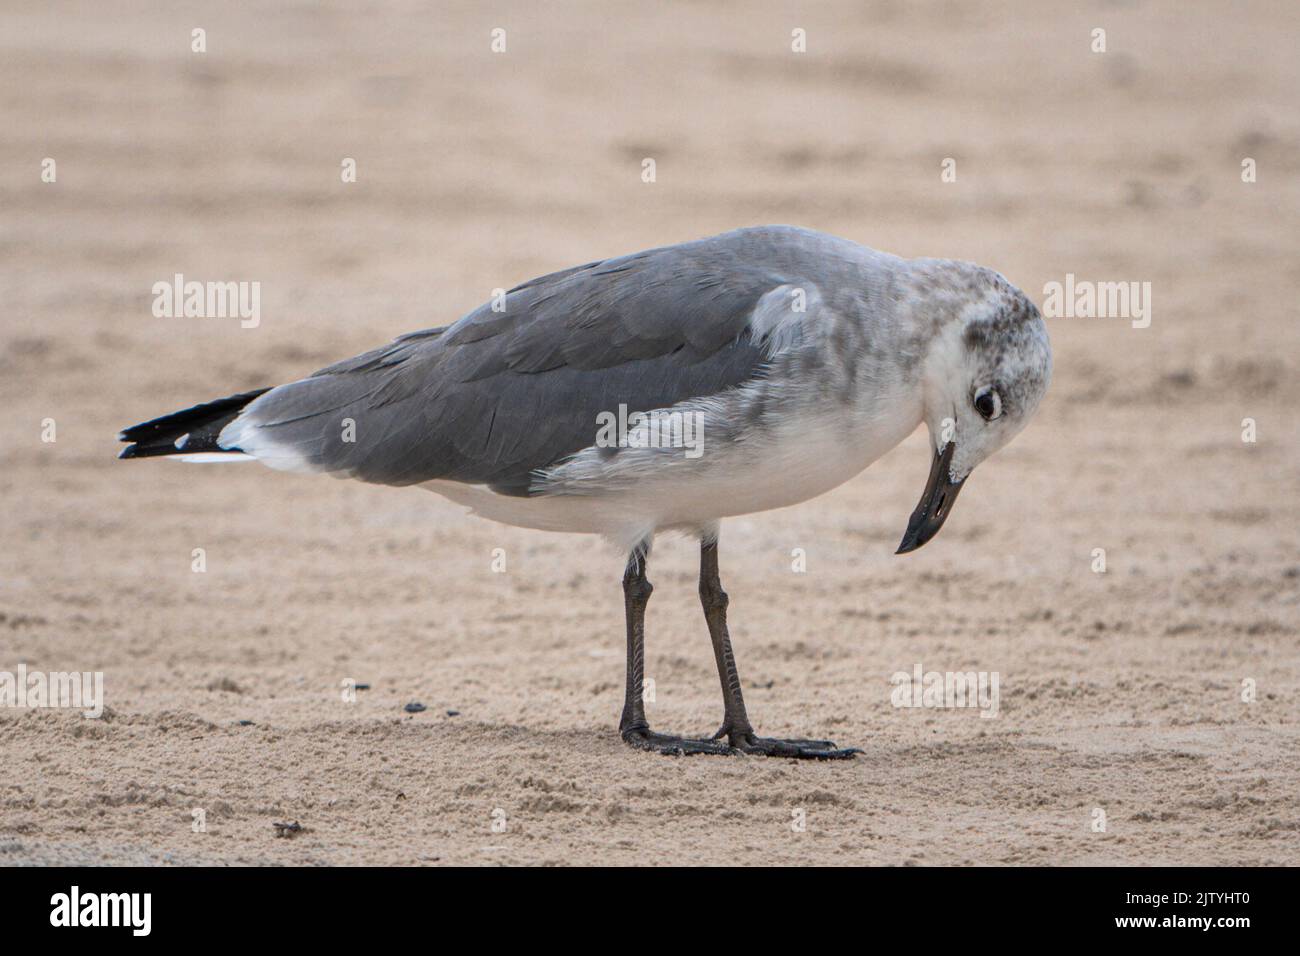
column 500, row 394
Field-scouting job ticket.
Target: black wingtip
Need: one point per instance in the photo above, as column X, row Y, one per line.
column 149, row 451
column 199, row 428
column 188, row 418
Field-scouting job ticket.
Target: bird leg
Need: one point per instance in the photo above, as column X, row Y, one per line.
column 735, row 722
column 741, row 738
column 633, row 727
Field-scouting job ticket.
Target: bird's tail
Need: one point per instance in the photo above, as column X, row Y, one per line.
column 188, row 432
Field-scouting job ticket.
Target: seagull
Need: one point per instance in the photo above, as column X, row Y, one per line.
column 664, row 391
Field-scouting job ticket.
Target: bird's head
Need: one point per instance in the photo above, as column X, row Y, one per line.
column 985, row 369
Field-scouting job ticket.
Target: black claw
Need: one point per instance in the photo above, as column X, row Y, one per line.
column 793, row 749
column 642, row 738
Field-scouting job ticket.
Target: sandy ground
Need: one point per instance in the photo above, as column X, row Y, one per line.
column 1120, row 691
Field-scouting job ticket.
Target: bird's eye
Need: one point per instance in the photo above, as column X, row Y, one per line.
column 988, row 403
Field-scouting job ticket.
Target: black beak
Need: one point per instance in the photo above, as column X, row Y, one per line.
column 936, row 501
